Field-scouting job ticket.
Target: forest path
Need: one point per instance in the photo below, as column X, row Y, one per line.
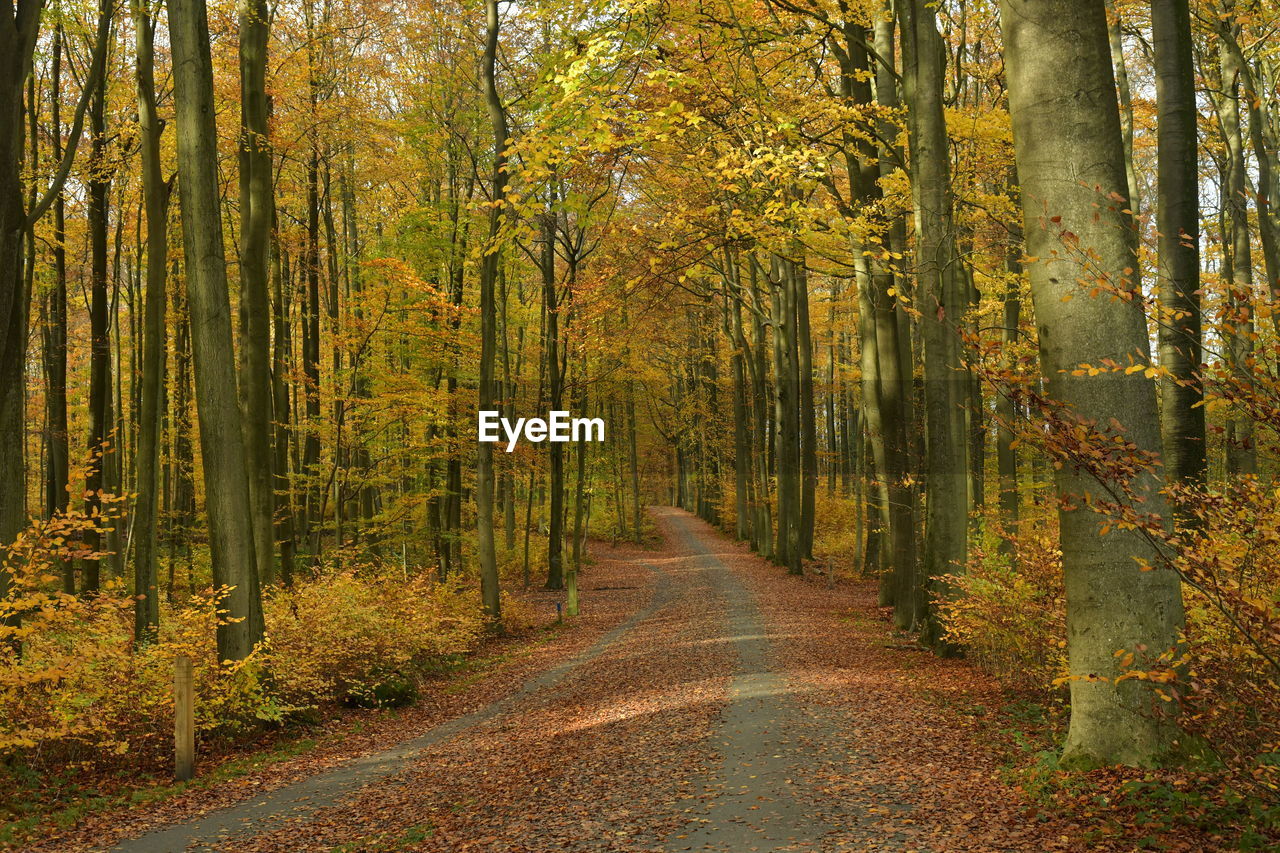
column 734, row 709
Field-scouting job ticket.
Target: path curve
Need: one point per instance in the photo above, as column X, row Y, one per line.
column 299, row 800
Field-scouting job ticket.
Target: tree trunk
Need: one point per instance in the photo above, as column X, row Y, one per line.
column 1242, row 455
column 100, row 433
column 943, row 298
column 1178, row 221
column 57, row 475
column 281, row 364
column 1006, row 407
column 156, row 200
column 255, row 304
column 1115, row 39
column 489, row 592
column 551, row 349
column 1067, row 140
column 221, row 439
column 808, row 425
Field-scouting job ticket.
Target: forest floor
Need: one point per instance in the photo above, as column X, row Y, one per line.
column 703, row 701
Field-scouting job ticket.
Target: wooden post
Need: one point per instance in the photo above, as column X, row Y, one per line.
column 184, row 723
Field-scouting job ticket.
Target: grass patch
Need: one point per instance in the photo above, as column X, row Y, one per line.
column 73, row 802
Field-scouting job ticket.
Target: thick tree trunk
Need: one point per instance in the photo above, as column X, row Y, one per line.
column 221, row 439
column 1067, row 140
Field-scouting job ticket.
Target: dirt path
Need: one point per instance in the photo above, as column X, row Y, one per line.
column 735, row 709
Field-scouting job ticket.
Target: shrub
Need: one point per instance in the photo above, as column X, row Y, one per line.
column 345, row 635
column 75, row 689
column 1009, row 611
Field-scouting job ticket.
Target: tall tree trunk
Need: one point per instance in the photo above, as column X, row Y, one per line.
column 1006, row 407
column 156, row 201
column 943, row 297
column 743, row 500
column 551, row 349
column 281, row 365
column 489, row 592
column 1115, row 39
column 1242, row 455
column 256, row 205
column 221, row 439
column 311, row 354
column 101, row 440
column 787, row 411
column 808, row 414
column 1178, row 221
column 58, row 456
column 1067, row 139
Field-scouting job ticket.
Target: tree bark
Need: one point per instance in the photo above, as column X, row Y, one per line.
column 1241, row 455
column 156, row 201
column 1178, row 221
column 943, row 295
column 1067, row 141
column 221, row 439
column 256, row 215
column 489, row 592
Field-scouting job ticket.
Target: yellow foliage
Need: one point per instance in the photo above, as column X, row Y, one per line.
column 1010, row 610
column 76, row 688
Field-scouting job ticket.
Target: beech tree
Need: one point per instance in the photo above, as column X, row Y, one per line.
column 227, row 501
column 1079, row 236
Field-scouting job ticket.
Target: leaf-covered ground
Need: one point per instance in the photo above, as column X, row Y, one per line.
column 704, row 701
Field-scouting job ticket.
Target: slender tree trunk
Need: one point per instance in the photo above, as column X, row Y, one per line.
column 156, row 200
column 488, row 319
column 943, row 298
column 256, row 211
column 99, row 189
column 58, row 456
column 1115, row 38
column 281, row 364
column 311, row 354
column 555, row 541
column 808, row 424
column 786, row 409
column 1178, row 221
column 1242, row 455
column 1006, row 407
